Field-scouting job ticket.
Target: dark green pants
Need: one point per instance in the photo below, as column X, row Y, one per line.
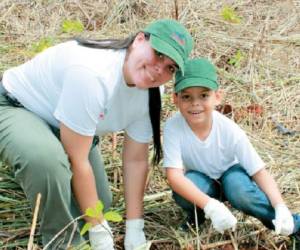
column 33, row 149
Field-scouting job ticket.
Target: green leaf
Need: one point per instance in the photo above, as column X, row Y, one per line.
column 237, row 59
column 85, row 228
column 99, row 207
column 91, row 212
column 43, row 44
column 113, row 216
column 72, row 26
column 230, row 15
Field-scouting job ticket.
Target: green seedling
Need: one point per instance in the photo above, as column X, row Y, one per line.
column 230, row 15
column 97, row 213
column 237, row 59
column 72, row 26
column 42, row 44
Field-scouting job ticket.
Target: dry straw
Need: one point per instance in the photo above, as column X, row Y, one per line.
column 257, row 54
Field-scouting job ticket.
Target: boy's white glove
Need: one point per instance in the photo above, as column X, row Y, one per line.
column 220, row 215
column 134, row 235
column 101, row 237
column 284, row 222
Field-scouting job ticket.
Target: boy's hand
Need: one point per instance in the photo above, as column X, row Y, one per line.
column 284, row 222
column 101, row 237
column 220, row 215
column 134, row 236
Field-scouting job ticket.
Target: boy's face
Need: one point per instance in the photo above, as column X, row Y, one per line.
column 196, row 104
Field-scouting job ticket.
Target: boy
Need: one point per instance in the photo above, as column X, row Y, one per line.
column 204, row 152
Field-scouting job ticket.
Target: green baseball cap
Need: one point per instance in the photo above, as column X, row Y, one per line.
column 198, row 73
column 172, row 39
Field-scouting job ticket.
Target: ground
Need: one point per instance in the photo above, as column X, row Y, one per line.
column 256, row 47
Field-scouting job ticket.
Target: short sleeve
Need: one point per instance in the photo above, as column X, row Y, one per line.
column 247, row 155
column 171, row 145
column 81, row 101
column 140, row 130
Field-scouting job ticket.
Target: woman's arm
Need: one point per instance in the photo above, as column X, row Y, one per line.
column 268, row 185
column 135, row 164
column 83, row 181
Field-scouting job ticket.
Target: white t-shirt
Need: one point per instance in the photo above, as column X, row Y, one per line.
column 226, row 145
column 83, row 88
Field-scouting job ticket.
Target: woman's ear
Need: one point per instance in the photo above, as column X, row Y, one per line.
column 140, row 37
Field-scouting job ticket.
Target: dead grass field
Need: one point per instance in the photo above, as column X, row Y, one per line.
column 256, row 46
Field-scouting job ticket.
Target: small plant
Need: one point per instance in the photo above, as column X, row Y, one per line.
column 42, row 44
column 230, row 15
column 71, row 26
column 96, row 213
column 237, row 59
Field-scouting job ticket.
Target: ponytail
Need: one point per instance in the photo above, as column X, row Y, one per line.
column 155, row 115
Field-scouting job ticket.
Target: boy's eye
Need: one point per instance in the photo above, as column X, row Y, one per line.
column 172, row 69
column 185, row 97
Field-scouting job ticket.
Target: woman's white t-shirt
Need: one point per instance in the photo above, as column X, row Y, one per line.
column 83, row 88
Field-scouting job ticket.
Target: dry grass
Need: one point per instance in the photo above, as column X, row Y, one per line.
column 258, row 61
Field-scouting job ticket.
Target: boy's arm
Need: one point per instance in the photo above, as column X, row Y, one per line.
column 185, row 188
column 268, row 185
column 283, row 221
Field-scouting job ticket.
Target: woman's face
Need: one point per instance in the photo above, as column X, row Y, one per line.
column 144, row 67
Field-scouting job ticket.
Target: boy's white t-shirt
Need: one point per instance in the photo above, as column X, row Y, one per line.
column 226, row 145
column 83, row 88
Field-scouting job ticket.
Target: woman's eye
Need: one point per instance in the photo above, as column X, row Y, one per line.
column 160, row 55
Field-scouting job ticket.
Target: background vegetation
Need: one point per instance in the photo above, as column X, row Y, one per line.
column 256, row 47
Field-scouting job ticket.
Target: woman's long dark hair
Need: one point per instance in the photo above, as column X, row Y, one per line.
column 154, row 93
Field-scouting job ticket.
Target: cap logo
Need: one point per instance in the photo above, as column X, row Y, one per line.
column 179, row 38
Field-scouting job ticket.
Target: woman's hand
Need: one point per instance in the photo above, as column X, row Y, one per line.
column 101, row 237
column 134, row 235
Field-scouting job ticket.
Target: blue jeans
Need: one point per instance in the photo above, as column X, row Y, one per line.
column 237, row 187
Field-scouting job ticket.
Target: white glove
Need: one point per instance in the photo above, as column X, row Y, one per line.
column 101, row 237
column 220, row 215
column 284, row 222
column 134, row 235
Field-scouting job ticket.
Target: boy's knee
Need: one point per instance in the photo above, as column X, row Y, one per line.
column 204, row 183
column 239, row 198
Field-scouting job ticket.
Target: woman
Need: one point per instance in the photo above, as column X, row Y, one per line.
column 52, row 107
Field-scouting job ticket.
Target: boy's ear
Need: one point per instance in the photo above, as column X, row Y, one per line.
column 219, row 96
column 175, row 99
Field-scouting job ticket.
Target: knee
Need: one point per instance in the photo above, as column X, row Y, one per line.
column 47, row 166
column 204, row 183
column 238, row 197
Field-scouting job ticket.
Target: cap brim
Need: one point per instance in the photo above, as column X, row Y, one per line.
column 196, row 82
column 166, row 49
